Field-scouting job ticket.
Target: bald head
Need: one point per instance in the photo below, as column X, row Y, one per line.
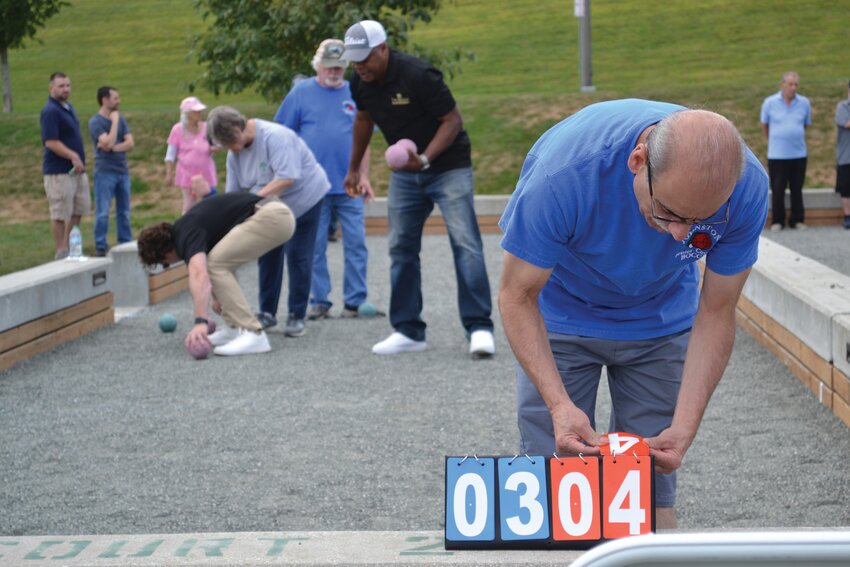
column 701, row 146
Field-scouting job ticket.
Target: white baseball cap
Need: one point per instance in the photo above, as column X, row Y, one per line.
column 361, row 38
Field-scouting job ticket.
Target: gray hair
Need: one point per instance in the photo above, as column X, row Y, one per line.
column 787, row 74
column 223, row 123
column 709, row 142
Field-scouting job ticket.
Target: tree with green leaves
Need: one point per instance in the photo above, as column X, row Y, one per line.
column 19, row 21
column 264, row 44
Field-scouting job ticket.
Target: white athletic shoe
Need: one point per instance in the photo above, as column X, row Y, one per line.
column 223, row 335
column 248, row 342
column 397, row 344
column 481, row 344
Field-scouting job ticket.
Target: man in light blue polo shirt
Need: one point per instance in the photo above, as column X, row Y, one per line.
column 784, row 117
column 613, row 208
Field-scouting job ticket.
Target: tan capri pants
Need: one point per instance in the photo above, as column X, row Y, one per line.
column 270, row 226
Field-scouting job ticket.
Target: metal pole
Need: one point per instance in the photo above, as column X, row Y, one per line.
column 582, row 12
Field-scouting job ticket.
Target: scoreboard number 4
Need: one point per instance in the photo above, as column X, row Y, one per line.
column 550, row 502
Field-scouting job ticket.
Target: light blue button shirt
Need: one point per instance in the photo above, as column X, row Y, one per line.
column 786, row 138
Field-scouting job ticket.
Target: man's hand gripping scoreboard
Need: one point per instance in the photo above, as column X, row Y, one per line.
column 527, row 501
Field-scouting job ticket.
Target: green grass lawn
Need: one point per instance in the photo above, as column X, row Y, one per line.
column 724, row 55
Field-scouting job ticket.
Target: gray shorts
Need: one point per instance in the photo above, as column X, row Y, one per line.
column 643, row 378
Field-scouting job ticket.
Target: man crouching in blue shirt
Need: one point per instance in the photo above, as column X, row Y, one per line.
column 614, row 207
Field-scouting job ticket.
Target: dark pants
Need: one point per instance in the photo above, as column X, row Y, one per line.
column 298, row 253
column 785, row 173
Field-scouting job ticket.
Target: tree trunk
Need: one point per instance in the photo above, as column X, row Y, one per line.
column 7, row 80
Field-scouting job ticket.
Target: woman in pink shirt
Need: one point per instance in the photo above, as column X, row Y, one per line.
column 188, row 146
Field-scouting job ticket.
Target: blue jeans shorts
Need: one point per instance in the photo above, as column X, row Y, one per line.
column 643, row 377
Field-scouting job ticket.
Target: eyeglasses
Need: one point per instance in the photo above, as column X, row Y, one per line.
column 679, row 219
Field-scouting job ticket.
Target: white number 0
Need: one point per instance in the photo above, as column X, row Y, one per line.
column 585, row 494
column 480, row 521
column 528, row 501
column 634, row 515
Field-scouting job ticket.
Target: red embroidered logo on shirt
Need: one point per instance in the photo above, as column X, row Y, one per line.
column 700, row 240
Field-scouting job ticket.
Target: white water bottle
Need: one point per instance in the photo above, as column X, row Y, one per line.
column 75, row 240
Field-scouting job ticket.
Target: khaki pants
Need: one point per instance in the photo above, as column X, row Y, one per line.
column 270, row 226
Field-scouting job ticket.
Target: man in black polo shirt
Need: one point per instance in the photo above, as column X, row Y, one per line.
column 407, row 98
column 64, row 164
column 214, row 238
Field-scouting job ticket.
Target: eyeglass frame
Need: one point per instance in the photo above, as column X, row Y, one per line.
column 680, row 220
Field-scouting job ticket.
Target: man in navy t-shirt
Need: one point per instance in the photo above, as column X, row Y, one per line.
column 64, row 165
column 613, row 208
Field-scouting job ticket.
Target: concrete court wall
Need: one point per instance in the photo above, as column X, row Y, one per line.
column 30, row 294
column 50, row 304
column 823, row 207
column 800, row 310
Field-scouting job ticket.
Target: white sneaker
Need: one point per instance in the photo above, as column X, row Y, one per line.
column 397, row 344
column 800, row 226
column 481, row 344
column 248, row 342
column 775, row 227
column 223, row 335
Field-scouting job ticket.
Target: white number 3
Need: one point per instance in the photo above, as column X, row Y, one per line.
column 527, row 500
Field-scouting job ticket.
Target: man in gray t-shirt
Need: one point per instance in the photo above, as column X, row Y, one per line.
column 111, row 138
column 271, row 160
column 842, row 154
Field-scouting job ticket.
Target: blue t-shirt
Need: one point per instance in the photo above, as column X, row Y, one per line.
column 786, row 132
column 108, row 162
column 614, row 276
column 60, row 122
column 324, row 119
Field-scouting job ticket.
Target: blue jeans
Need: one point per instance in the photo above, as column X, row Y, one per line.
column 411, row 199
column 349, row 212
column 106, row 186
column 298, row 253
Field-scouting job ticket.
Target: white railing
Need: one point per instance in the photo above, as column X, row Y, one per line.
column 741, row 549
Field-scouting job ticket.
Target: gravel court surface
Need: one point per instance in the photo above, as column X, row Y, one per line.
column 121, row 432
column 829, row 245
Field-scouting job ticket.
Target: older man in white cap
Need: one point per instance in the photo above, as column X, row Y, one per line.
column 321, row 111
column 407, row 98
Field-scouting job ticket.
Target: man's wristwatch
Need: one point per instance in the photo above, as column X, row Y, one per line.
column 423, row 159
column 199, row 320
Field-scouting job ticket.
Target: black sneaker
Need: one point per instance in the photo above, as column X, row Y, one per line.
column 294, row 327
column 266, row 319
column 100, row 252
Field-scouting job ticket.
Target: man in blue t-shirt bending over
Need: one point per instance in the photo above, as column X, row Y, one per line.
column 613, row 208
